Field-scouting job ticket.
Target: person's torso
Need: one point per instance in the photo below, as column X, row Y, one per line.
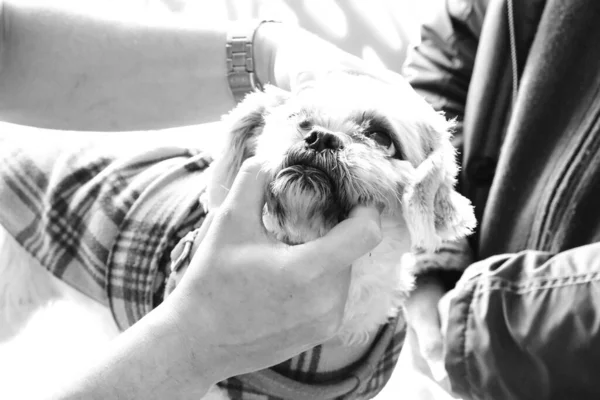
column 533, row 170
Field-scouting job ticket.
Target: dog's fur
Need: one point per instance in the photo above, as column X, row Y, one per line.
column 310, row 191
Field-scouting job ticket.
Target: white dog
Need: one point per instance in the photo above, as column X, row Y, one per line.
column 344, row 141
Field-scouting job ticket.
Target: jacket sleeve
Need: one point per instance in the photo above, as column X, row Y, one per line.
column 439, row 68
column 527, row 326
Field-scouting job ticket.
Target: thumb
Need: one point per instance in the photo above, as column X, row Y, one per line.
column 429, row 337
column 346, row 242
column 444, row 310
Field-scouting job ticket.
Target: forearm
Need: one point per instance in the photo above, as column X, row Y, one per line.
column 149, row 361
column 96, row 66
column 104, row 67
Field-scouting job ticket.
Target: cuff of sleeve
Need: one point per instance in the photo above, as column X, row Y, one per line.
column 451, row 256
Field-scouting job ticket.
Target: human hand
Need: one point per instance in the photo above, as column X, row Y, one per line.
column 257, row 300
column 428, row 310
column 289, row 57
column 425, row 320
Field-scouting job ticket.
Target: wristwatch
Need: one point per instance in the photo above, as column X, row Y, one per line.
column 240, row 58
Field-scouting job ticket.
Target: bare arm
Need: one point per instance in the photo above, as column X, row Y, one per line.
column 101, row 66
column 149, row 361
column 200, row 335
column 93, row 66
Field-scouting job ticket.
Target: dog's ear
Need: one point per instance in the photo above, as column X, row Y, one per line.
column 433, row 210
column 242, row 126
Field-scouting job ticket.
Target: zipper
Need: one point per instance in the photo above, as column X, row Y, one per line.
column 513, row 50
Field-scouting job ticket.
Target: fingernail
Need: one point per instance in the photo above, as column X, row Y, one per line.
column 252, row 164
column 438, row 370
column 304, row 78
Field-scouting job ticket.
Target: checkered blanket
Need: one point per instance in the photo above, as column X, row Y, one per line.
column 104, row 220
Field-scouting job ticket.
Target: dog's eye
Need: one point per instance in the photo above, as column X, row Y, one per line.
column 305, row 124
column 385, row 141
column 381, row 138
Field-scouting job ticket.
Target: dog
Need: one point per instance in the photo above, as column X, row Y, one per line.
column 336, row 143
column 344, row 140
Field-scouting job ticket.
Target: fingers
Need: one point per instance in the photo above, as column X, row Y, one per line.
column 303, row 79
column 346, row 242
column 440, row 374
column 422, row 314
column 444, row 310
column 247, row 193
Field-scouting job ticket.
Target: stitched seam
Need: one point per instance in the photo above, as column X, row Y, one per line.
column 565, row 173
column 569, row 192
column 499, row 284
column 466, row 374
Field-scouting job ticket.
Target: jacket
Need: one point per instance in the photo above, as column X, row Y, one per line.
column 522, row 78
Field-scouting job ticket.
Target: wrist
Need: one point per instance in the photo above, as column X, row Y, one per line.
column 193, row 350
column 266, row 43
column 154, row 359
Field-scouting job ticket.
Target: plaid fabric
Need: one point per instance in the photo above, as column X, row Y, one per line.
column 301, row 378
column 104, row 220
column 101, row 218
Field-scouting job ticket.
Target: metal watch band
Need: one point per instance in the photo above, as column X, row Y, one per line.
column 240, row 58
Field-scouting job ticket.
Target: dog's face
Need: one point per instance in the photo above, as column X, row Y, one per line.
column 343, row 141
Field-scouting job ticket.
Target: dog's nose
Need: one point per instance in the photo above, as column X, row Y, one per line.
column 320, row 140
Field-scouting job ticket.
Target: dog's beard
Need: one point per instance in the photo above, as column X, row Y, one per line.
column 311, row 192
column 308, row 195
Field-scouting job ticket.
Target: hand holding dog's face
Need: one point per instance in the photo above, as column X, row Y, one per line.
column 342, row 141
column 221, row 296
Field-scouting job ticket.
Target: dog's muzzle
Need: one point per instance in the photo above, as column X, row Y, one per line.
column 322, row 139
column 319, row 151
column 309, row 185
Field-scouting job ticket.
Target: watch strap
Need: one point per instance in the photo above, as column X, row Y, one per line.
column 241, row 73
